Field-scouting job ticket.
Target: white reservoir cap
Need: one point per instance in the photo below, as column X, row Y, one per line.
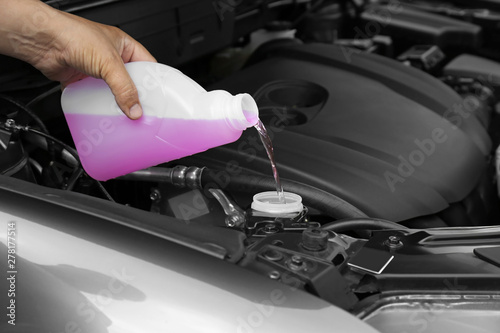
column 268, row 202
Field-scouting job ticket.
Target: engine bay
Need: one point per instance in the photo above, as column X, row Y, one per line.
column 384, row 120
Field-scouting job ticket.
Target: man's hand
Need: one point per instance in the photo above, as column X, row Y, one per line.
column 68, row 48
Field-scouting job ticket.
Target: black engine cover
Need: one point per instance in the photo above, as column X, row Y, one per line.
column 392, row 140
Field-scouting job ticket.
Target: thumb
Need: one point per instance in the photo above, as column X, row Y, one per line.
column 123, row 88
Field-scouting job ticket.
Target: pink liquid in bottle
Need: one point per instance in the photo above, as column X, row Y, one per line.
column 180, row 118
column 125, row 145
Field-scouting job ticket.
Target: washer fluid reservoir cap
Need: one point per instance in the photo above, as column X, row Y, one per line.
column 268, row 202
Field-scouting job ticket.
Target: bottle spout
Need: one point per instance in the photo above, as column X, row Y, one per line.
column 242, row 111
column 249, row 109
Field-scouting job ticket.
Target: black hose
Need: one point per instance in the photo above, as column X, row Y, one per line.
column 313, row 197
column 154, row 174
column 362, row 224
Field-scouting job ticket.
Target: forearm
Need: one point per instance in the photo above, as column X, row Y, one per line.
column 28, row 29
column 67, row 48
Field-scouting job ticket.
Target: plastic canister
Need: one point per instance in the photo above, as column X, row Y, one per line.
column 180, row 118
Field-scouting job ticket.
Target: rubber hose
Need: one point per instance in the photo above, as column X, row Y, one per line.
column 362, row 224
column 313, row 197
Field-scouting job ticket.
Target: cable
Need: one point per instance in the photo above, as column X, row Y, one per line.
column 362, row 223
column 11, row 124
column 33, row 116
column 44, row 143
column 28, row 111
column 74, row 177
column 104, row 191
column 70, row 149
column 43, row 95
column 73, row 152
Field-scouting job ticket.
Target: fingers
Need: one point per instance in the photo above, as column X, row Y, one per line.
column 122, row 87
column 139, row 52
column 130, row 49
column 118, row 79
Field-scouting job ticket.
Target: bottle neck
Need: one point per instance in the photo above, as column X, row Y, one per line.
column 240, row 110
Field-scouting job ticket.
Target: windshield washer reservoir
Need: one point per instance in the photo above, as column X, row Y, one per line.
column 269, row 202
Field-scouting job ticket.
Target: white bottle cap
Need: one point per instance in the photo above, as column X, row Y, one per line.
column 268, row 202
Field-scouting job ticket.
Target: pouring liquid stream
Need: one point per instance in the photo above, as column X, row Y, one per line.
column 268, row 145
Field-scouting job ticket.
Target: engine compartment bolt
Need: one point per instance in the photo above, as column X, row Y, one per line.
column 273, row 255
column 275, row 275
column 270, row 228
column 296, row 260
column 9, row 123
column 155, row 195
column 232, row 221
column 394, row 242
column 296, row 263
